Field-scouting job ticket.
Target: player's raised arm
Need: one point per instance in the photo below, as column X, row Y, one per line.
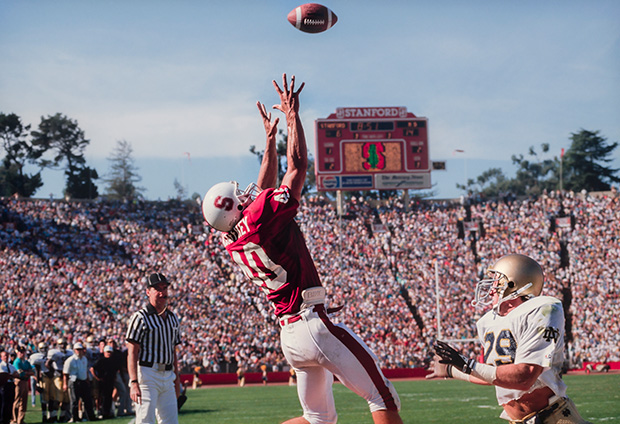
column 268, row 174
column 297, row 152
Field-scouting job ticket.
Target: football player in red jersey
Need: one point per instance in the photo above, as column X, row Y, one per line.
column 262, row 237
column 523, row 338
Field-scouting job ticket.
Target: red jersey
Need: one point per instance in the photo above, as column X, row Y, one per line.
column 270, row 248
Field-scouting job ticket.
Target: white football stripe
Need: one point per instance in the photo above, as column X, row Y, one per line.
column 298, row 20
column 329, row 18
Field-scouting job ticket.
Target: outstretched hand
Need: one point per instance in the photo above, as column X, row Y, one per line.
column 450, row 356
column 271, row 128
column 439, row 370
column 289, row 98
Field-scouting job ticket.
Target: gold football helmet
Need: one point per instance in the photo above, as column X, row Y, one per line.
column 511, row 276
column 61, row 344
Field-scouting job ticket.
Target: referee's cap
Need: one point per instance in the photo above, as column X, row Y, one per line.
column 157, row 278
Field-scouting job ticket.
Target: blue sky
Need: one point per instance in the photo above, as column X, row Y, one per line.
column 492, row 77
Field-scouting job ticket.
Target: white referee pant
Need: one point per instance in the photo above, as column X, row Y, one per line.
column 159, row 398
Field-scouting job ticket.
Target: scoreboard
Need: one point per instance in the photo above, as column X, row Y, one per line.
column 372, row 148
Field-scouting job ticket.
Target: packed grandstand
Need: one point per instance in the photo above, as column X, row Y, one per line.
column 75, row 269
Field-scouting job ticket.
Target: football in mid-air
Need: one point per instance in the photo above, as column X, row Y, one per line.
column 312, row 18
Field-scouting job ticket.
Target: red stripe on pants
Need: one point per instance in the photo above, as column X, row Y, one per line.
column 362, row 355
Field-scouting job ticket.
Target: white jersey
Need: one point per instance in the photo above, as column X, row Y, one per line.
column 58, row 358
column 38, row 360
column 532, row 333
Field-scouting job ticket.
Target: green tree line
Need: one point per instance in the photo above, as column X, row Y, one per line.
column 59, row 143
column 583, row 166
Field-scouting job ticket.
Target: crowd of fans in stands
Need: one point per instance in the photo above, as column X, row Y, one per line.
column 75, row 269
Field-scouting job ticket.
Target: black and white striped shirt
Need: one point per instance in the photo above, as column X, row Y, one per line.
column 157, row 336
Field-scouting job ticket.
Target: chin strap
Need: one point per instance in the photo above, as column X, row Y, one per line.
column 516, row 294
column 512, row 295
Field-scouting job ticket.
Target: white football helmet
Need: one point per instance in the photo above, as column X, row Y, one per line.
column 511, row 276
column 224, row 203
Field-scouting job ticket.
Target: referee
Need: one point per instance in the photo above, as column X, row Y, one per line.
column 152, row 336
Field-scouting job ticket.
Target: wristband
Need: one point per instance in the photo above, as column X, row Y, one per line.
column 484, row 372
column 459, row 375
column 133, row 381
column 449, row 371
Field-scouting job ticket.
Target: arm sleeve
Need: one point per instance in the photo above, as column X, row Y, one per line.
column 135, row 329
column 66, row 368
column 17, row 363
column 178, row 333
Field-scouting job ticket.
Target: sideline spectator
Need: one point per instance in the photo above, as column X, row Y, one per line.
column 75, row 381
column 105, row 371
column 8, row 374
column 24, row 370
column 196, row 381
column 121, row 383
column 241, row 375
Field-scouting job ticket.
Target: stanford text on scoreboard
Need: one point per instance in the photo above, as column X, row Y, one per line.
column 372, row 148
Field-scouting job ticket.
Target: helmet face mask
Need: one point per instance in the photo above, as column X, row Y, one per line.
column 248, row 195
column 485, row 292
column 224, row 203
column 511, row 276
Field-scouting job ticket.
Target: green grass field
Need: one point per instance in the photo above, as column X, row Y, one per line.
column 437, row 401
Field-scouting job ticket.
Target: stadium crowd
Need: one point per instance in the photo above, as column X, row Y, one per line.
column 76, row 270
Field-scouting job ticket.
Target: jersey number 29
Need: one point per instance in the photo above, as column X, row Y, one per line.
column 504, row 346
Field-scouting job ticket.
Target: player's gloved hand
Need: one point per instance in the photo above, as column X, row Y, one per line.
column 450, row 356
column 439, row 370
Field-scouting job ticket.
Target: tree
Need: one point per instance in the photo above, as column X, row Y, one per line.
column 18, row 151
column 582, row 163
column 534, row 175
column 123, row 175
column 583, row 169
column 180, row 189
column 80, row 182
column 491, row 183
column 65, row 140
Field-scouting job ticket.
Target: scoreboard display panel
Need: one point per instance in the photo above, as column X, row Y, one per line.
column 372, row 148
